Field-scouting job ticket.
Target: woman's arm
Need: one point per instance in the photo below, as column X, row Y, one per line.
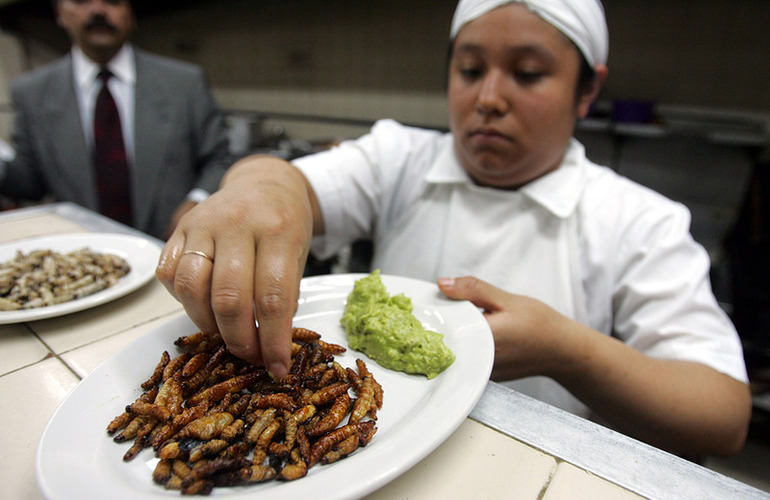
column 684, row 407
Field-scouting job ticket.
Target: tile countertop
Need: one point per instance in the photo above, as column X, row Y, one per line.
column 511, row 446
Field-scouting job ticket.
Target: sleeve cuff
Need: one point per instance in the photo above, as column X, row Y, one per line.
column 197, row 195
column 6, row 152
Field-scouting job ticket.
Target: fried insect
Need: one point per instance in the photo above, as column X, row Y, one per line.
column 197, row 379
column 174, row 365
column 328, row 394
column 121, row 421
column 157, row 374
column 296, row 469
column 260, row 473
column 331, row 439
column 140, row 440
column 180, row 421
column 207, row 449
column 331, row 348
column 194, row 364
column 131, row 429
column 233, row 430
column 157, row 412
column 207, row 427
column 281, row 401
column 170, row 450
column 342, row 450
column 267, row 435
column 378, row 392
column 365, row 402
column 218, row 391
column 191, row 341
column 304, row 334
column 333, row 417
column 213, row 420
column 263, row 421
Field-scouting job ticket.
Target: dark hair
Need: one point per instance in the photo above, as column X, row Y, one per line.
column 586, row 77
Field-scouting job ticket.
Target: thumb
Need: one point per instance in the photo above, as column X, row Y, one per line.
column 478, row 292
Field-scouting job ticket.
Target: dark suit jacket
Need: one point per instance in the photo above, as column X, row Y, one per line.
column 179, row 139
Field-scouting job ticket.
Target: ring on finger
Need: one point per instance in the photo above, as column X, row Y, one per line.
column 199, row 253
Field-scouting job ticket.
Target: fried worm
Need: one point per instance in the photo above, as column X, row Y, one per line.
column 214, row 420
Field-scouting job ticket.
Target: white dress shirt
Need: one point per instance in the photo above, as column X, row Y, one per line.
column 122, row 85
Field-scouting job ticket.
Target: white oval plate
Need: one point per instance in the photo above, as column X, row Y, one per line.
column 141, row 253
column 77, row 459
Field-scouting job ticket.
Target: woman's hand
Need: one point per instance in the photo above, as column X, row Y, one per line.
column 256, row 229
column 684, row 407
column 526, row 331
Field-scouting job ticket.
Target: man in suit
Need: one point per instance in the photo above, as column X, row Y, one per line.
column 174, row 140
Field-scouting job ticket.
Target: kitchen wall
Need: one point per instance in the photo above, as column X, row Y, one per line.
column 706, row 53
column 696, row 52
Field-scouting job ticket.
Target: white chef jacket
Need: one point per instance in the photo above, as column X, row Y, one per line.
column 595, row 246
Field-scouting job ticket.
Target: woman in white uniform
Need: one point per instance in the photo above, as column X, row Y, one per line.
column 597, row 295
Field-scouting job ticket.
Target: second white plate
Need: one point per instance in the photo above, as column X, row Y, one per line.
column 141, row 253
column 76, row 458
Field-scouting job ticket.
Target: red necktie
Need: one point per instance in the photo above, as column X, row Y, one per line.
column 112, row 176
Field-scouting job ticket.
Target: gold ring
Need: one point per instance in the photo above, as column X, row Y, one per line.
column 199, row 254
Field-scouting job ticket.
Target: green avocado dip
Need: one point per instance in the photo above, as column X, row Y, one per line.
column 384, row 328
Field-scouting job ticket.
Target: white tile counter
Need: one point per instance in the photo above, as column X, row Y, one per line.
column 510, row 446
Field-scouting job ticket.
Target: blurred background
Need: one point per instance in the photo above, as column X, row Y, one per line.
column 686, row 109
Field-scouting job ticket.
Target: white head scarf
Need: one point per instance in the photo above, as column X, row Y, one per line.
column 582, row 21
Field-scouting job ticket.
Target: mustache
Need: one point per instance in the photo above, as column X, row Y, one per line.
column 99, row 21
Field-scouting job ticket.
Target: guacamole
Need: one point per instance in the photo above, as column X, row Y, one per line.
column 383, row 327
